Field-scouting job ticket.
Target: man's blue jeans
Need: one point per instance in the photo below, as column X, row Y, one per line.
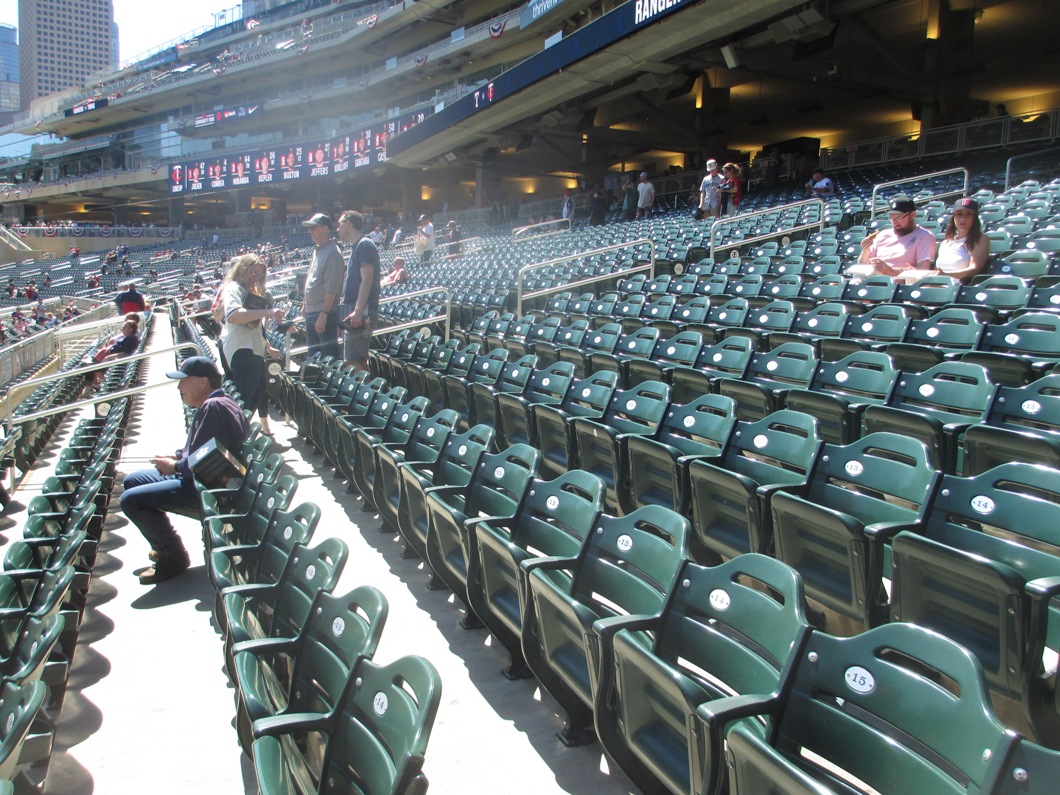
column 148, row 496
column 326, row 344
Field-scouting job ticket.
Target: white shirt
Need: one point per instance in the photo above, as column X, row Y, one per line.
column 825, row 187
column 954, row 255
column 647, row 195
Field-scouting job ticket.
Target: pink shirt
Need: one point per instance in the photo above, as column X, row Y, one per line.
column 904, row 252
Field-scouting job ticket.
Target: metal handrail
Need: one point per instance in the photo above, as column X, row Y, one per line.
column 1011, row 160
column 769, row 211
column 918, row 178
column 518, row 237
column 33, row 382
column 426, row 321
column 520, row 296
column 103, row 398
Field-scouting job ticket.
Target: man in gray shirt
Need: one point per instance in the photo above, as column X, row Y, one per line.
column 323, row 288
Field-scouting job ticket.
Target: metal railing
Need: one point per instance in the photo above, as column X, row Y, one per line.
column 1027, row 156
column 521, row 296
column 520, row 235
column 920, row 178
column 419, row 322
column 103, row 398
column 819, row 224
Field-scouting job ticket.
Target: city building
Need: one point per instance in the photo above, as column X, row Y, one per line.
column 62, row 43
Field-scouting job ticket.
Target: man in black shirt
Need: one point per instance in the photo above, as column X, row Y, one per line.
column 170, row 487
column 360, row 290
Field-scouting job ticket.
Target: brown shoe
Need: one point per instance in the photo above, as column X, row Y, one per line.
column 169, row 565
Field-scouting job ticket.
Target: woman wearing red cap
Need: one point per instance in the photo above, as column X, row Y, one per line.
column 965, row 250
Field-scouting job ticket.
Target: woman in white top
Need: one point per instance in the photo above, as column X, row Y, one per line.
column 242, row 340
column 965, row 250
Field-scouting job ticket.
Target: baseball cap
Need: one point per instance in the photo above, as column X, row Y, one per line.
column 712, row 163
column 319, row 219
column 966, row 204
column 644, row 173
column 196, row 367
column 903, row 206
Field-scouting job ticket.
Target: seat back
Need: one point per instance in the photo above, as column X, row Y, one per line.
column 382, row 731
column 725, row 630
column 1021, row 424
column 19, row 706
column 1030, row 334
column 460, row 456
column 630, row 562
column 930, row 291
column 500, row 482
column 638, row 409
column 877, row 289
column 966, row 574
column 730, row 313
column 429, row 435
column 340, row 632
column 589, row 396
column 855, row 701
column 1004, row 293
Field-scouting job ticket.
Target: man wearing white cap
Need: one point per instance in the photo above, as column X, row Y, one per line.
column 710, row 191
column 645, row 196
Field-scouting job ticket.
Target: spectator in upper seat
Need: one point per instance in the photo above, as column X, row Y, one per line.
column 965, row 250
column 398, row 274
column 820, row 184
column 452, row 240
column 904, row 247
column 130, row 300
column 567, row 210
column 125, row 344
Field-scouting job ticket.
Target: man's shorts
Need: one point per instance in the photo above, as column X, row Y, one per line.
column 357, row 341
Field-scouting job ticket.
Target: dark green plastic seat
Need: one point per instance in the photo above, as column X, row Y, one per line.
column 454, row 466
column 423, row 446
column 237, row 500
column 833, row 530
column 657, row 466
column 638, row 344
column 931, row 292
column 548, row 385
column 279, row 609
column 26, row 650
column 1017, row 352
column 769, row 377
column 397, row 430
column 343, row 453
column 936, row 406
column 513, row 379
column 1003, row 294
column 777, row 316
column 226, row 529
column 869, row 709
column 20, row 739
column 723, row 631
column 726, row 359
column 497, row 488
column 238, row 564
column 1030, row 770
column 309, row 672
column 730, row 497
column 627, row 567
column 927, row 340
column 598, row 444
column 1021, row 424
column 570, row 336
column 877, row 289
column 840, row 392
column 601, row 340
column 881, row 325
column 550, row 424
column 458, row 365
column 554, row 520
column 679, row 350
column 485, row 369
column 813, row 324
column 984, row 569
column 375, row 744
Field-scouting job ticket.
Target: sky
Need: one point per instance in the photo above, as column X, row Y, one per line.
column 143, row 24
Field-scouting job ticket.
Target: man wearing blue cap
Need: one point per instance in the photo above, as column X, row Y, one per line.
column 169, row 487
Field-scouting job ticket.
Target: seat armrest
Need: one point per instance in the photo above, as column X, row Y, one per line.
column 260, row 646
column 275, row 725
column 550, row 563
column 883, row 531
column 247, row 590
